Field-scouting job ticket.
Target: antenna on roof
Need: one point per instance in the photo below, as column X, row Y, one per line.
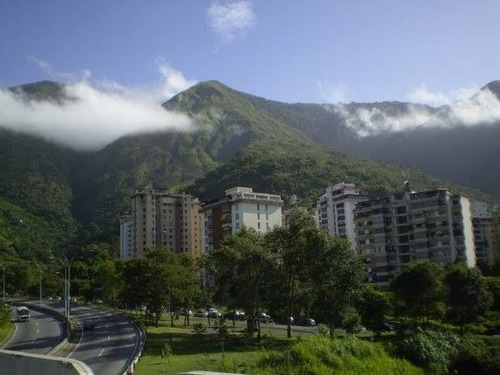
column 406, row 179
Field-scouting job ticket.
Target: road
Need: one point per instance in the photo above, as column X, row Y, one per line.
column 39, row 335
column 108, row 347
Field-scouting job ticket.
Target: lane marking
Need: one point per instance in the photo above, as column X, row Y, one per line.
column 102, row 351
column 14, row 334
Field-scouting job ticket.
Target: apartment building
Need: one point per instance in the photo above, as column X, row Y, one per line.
column 239, row 207
column 162, row 219
column 126, row 248
column 391, row 231
column 334, row 210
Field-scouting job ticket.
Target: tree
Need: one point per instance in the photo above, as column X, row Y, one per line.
column 242, row 269
column 418, row 289
column 467, row 294
column 338, row 275
column 374, row 306
column 291, row 247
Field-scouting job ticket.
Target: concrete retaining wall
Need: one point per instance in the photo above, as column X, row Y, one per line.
column 25, row 363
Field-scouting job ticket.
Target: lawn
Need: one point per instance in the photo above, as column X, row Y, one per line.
column 183, row 350
column 4, row 332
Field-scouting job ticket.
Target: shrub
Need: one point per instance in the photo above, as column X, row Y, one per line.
column 432, row 350
column 322, row 355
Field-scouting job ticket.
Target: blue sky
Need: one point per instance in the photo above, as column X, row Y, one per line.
column 292, row 51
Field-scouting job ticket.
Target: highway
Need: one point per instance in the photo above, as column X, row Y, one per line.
column 108, row 347
column 38, row 336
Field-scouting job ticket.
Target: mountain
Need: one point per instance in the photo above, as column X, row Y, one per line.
column 290, row 149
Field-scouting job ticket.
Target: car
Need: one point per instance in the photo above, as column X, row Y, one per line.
column 214, row 314
column 184, row 312
column 236, row 315
column 492, row 331
column 88, row 325
column 307, row 322
column 201, row 314
column 265, row 318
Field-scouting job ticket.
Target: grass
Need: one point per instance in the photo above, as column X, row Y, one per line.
column 4, row 332
column 184, row 351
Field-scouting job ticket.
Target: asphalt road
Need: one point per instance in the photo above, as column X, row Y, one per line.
column 39, row 335
column 109, row 346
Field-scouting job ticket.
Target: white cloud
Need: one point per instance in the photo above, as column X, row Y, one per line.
column 97, row 114
column 232, row 20
column 425, row 96
column 47, row 68
column 334, row 94
column 172, row 83
column 479, row 109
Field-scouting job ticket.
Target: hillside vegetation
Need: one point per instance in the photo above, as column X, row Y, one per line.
column 241, row 140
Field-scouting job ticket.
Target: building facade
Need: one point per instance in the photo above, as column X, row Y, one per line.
column 162, row 219
column 434, row 225
column 239, row 207
column 126, row 248
column 334, row 210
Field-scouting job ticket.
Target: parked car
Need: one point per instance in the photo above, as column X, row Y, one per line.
column 184, row 312
column 265, row 318
column 237, row 315
column 307, row 322
column 214, row 314
column 201, row 314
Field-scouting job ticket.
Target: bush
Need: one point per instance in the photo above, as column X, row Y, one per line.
column 432, row 350
column 322, row 355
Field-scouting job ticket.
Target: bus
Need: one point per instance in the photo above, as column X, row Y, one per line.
column 23, row 314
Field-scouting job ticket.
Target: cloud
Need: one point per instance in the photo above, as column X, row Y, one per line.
column 84, row 75
column 232, row 20
column 336, row 94
column 172, row 83
column 483, row 108
column 425, row 96
column 92, row 116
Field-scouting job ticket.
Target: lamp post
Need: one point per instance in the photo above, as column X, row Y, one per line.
column 66, row 262
column 4, row 267
column 39, row 281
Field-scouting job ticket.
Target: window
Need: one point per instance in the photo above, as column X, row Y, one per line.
column 258, row 225
column 258, row 207
column 237, row 216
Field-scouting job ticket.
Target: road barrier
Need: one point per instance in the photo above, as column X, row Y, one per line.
column 12, row 362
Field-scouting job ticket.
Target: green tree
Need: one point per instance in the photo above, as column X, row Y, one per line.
column 291, row 246
column 374, row 306
column 467, row 294
column 338, row 275
column 418, row 289
column 242, row 269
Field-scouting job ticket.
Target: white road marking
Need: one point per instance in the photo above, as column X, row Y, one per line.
column 15, row 330
column 101, row 352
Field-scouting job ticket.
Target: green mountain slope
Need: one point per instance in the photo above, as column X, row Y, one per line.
column 241, row 140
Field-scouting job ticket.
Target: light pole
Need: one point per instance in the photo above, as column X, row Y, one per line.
column 39, row 280
column 4, row 267
column 66, row 262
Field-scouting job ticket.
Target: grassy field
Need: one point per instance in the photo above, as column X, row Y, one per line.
column 208, row 351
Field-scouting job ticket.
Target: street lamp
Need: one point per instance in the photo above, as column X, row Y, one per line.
column 66, row 262
column 4, row 267
column 39, row 280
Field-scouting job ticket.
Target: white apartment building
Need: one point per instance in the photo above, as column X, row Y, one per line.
column 434, row 225
column 334, row 210
column 239, row 207
column 126, row 251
